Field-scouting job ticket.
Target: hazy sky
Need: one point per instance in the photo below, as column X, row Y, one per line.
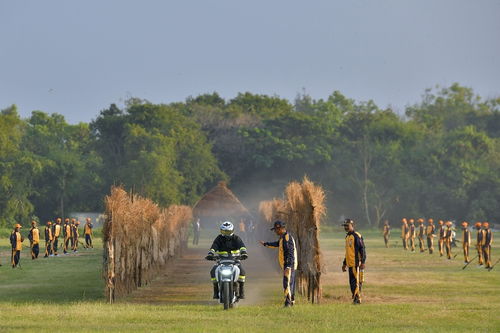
column 77, row 57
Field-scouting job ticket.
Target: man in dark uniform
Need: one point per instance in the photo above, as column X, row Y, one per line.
column 56, row 233
column 34, row 237
column 421, row 235
column 354, row 261
column 442, row 234
column 224, row 244
column 48, row 239
column 287, row 257
column 448, row 238
column 479, row 243
column 488, row 240
column 465, row 241
column 87, row 230
column 412, row 235
column 429, row 231
column 386, row 232
column 16, row 242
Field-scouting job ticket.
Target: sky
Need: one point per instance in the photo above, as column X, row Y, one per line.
column 75, row 58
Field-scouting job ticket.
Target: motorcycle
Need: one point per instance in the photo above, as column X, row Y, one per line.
column 226, row 274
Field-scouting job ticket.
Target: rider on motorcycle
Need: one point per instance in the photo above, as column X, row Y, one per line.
column 228, row 243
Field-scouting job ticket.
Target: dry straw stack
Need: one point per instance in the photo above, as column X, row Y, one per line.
column 302, row 211
column 139, row 239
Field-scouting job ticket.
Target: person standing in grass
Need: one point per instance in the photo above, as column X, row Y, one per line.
column 421, row 235
column 354, row 260
column 429, row 232
column 34, row 237
column 48, row 239
column 479, row 243
column 465, row 241
column 87, row 229
column 386, row 233
column 448, row 238
column 75, row 235
column 412, row 235
column 488, row 240
column 67, row 235
column 56, row 233
column 442, row 234
column 287, row 258
column 404, row 233
column 16, row 241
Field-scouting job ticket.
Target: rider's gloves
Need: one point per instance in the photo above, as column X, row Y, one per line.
column 244, row 256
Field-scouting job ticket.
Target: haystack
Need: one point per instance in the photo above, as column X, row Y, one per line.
column 302, row 211
column 139, row 240
column 220, row 204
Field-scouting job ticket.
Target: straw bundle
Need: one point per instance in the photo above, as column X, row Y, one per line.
column 220, row 204
column 139, row 239
column 302, row 211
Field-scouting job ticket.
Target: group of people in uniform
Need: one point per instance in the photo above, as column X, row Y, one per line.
column 426, row 232
column 69, row 232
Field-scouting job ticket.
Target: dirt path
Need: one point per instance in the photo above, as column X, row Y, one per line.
column 187, row 280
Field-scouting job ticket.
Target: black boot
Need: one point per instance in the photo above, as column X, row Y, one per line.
column 242, row 290
column 216, row 291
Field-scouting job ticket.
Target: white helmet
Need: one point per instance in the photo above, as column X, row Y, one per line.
column 226, row 228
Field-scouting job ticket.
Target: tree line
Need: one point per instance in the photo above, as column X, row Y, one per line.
column 438, row 158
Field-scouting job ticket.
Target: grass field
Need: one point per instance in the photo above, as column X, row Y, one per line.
column 403, row 292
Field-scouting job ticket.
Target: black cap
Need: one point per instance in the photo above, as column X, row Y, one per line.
column 278, row 224
column 347, row 222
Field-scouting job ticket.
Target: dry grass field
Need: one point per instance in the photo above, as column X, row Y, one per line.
column 404, row 292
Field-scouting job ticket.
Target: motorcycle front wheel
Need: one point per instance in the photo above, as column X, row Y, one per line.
column 226, row 294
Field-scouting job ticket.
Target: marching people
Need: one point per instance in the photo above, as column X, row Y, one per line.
column 224, row 244
column 442, row 234
column 56, row 232
column 412, row 235
column 488, row 239
column 405, row 233
column 479, row 243
column 448, row 238
column 430, row 235
column 48, row 239
column 34, row 237
column 354, row 261
column 465, row 240
column 287, row 258
column 87, row 229
column 421, row 235
column 386, row 232
column 16, row 242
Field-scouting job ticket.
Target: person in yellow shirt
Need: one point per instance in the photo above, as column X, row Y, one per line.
column 448, row 238
column 429, row 231
column 465, row 241
column 56, row 233
column 479, row 243
column 405, row 233
column 354, row 260
column 386, row 233
column 87, row 229
column 412, row 235
column 75, row 234
column 421, row 235
column 67, row 235
column 488, row 240
column 48, row 239
column 442, row 234
column 16, row 242
column 34, row 237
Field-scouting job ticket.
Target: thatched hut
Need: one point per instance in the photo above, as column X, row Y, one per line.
column 220, row 204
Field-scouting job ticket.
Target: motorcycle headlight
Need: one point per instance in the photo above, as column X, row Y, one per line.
column 226, row 272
